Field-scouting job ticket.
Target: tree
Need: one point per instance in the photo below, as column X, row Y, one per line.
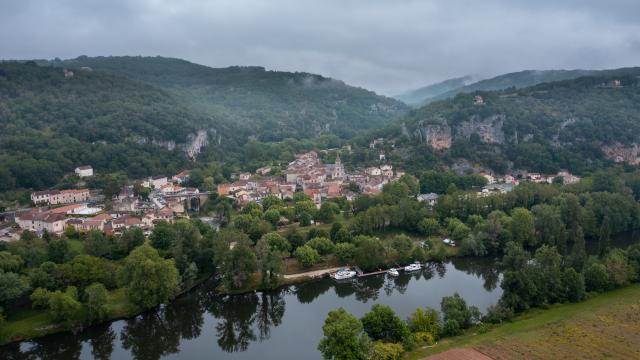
column 269, row 261
column 370, row 253
column 618, row 268
column 457, row 315
column 150, row 280
column 96, row 297
column 429, row 227
column 604, row 243
column 307, row 256
column 547, row 274
column 425, row 321
column 58, row 250
column 345, row 252
column 333, row 233
column 239, row 264
column 97, row 244
column 579, row 252
column 523, row 227
column 65, row 305
column 596, row 277
column 574, row 286
column 130, row 239
column 382, row 323
column 277, row 242
column 295, row 239
column 322, row 245
column 10, row 262
column 344, row 338
column 11, row 288
column 162, row 236
column 40, row 298
column 272, row 216
column 327, row 212
column 402, row 245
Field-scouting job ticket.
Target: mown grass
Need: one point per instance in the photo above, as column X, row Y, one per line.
column 604, row 326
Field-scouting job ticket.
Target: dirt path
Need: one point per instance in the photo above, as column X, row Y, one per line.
column 312, row 274
column 459, row 354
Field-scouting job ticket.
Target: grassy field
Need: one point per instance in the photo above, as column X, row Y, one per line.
column 606, row 326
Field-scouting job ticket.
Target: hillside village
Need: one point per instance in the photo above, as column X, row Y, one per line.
column 308, row 174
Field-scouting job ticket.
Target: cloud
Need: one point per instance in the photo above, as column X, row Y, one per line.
column 387, row 46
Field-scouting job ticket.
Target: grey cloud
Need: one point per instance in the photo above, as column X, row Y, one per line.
column 387, row 46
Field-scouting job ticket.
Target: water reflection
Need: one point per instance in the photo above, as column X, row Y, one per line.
column 204, row 325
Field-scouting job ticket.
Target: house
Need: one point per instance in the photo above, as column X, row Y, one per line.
column 263, row 170
column 386, row 170
column 478, row 100
column 373, row 171
column 157, row 181
column 490, row 178
column 84, row 171
column 181, row 177
column 43, row 197
column 430, row 198
column 41, row 221
column 374, row 142
column 70, row 196
column 244, row 176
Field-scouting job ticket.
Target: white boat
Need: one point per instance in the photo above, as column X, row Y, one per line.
column 449, row 242
column 413, row 267
column 343, row 274
column 393, row 272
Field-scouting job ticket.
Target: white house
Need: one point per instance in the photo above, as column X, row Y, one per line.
column 84, row 171
column 158, row 181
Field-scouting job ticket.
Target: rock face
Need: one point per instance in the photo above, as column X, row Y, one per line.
column 192, row 147
column 440, row 136
column 489, row 129
column 195, row 143
column 437, row 136
column 620, row 153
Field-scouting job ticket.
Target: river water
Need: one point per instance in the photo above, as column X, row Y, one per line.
column 281, row 324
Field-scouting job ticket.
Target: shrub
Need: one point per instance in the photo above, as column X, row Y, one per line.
column 307, row 256
column 345, row 252
column 386, row 351
column 322, row 245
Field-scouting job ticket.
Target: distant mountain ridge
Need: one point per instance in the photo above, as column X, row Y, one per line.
column 520, row 79
column 256, row 103
column 419, row 96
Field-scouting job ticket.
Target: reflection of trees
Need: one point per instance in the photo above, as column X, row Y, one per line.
column 367, row 288
column 60, row 346
column 483, row 268
column 308, row 292
column 345, row 288
column 237, row 314
column 102, row 343
column 158, row 333
column 270, row 312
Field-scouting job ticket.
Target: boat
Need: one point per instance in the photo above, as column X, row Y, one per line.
column 449, row 242
column 343, row 274
column 393, row 272
column 413, row 267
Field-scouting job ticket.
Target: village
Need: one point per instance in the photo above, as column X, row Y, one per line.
column 308, row 174
column 83, row 209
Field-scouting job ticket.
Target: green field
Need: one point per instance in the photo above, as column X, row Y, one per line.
column 607, row 326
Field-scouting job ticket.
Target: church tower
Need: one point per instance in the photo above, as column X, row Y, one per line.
column 338, row 170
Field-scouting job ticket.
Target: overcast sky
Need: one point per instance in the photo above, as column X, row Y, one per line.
column 386, row 46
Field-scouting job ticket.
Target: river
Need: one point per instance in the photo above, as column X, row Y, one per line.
column 281, row 324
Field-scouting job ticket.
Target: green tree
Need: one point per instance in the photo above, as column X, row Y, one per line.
column 11, row 288
column 65, row 305
column 322, row 245
column 149, row 279
column 96, row 297
column 596, row 277
column 58, row 250
column 239, row 264
column 385, row 351
column 97, row 244
column 307, row 256
column 328, row 210
column 40, row 298
column 269, row 259
column 162, row 236
column 578, row 255
column 429, row 227
column 523, row 227
column 272, row 216
column 382, row 323
column 370, row 253
column 457, row 315
column 426, row 321
column 574, row 286
column 604, row 244
column 277, row 242
column 344, row 338
column 345, row 252
column 402, row 245
column 10, row 262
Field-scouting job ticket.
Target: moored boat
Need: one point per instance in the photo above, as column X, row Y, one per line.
column 413, row 267
column 393, row 272
column 343, row 274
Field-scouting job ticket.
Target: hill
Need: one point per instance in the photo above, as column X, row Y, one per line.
column 53, row 121
column 419, row 96
column 574, row 124
column 258, row 104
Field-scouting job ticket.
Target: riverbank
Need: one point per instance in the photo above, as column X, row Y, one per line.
column 604, row 326
column 29, row 323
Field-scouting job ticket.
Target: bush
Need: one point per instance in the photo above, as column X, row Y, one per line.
column 424, row 338
column 497, row 314
column 40, row 298
column 429, row 227
column 451, row 328
column 596, row 277
column 382, row 323
column 386, row 351
column 65, row 305
column 307, row 256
